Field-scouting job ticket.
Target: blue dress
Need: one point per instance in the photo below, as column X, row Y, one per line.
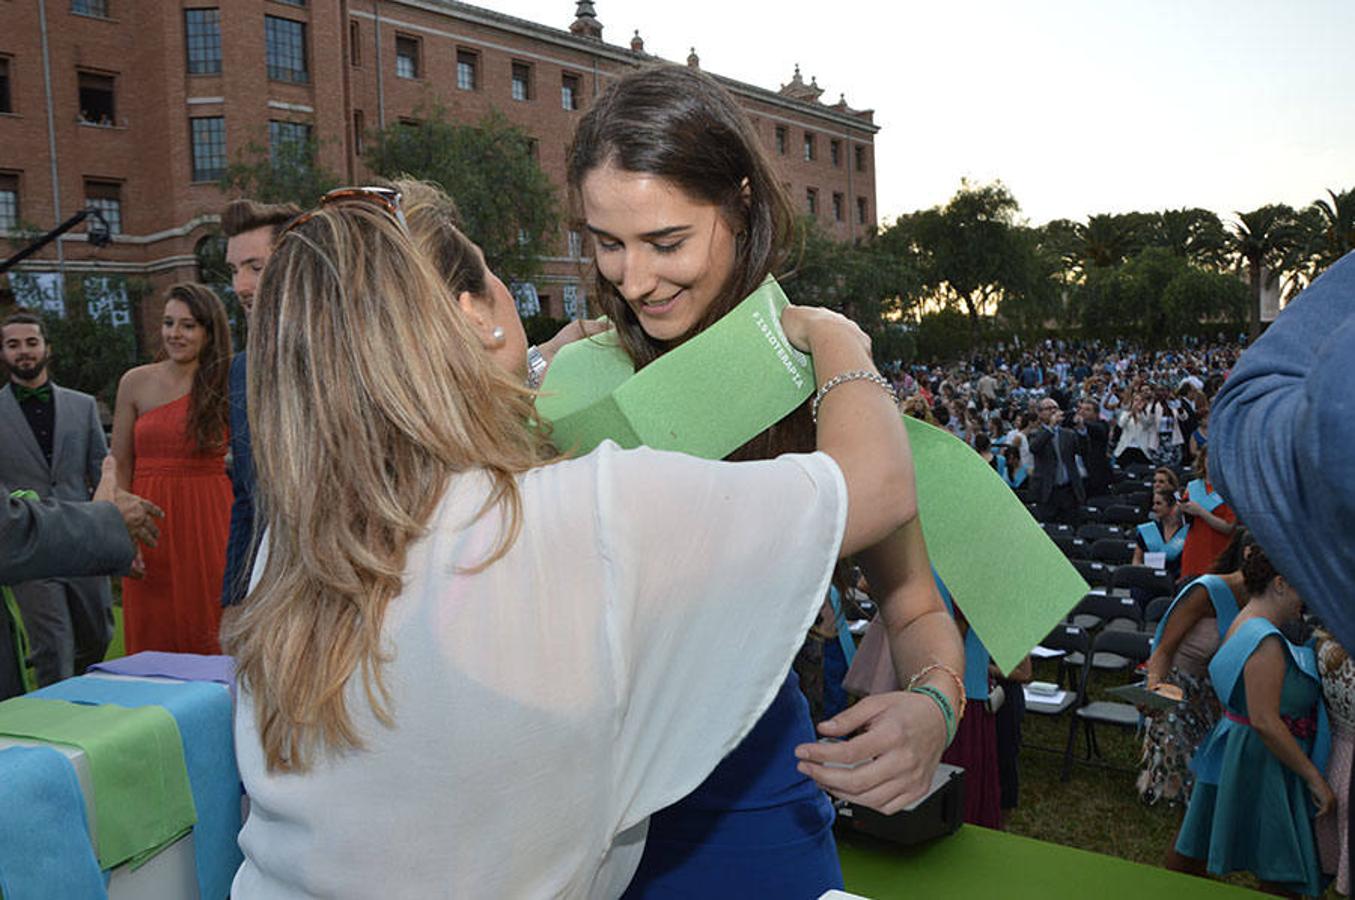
column 755, row 828
column 1249, row 810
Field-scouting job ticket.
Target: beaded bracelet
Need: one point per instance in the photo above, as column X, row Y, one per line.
column 843, row 378
column 947, row 714
column 959, row 683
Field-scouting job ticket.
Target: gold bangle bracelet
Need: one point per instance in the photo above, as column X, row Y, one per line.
column 959, row 683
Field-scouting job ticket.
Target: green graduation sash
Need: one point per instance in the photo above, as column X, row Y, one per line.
column 728, row 384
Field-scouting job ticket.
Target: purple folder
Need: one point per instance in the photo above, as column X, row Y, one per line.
column 183, row 666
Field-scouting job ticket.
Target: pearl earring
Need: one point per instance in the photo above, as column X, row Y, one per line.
column 499, row 335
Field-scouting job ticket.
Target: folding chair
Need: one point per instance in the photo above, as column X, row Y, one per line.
column 1113, row 552
column 1132, row 645
column 1102, row 501
column 1072, row 640
column 1121, row 514
column 1140, row 471
column 1100, row 612
column 1097, row 531
column 1094, row 573
column 1157, row 608
column 1074, row 547
column 1130, row 486
column 1148, row 582
column 1057, row 529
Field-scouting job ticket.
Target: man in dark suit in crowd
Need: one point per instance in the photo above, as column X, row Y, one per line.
column 1095, row 435
column 1056, row 483
column 48, row 538
column 56, row 449
column 250, row 230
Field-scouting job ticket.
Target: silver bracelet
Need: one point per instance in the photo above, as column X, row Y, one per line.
column 536, row 367
column 843, row 378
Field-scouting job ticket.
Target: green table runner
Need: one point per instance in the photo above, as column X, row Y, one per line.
column 732, row 381
column 140, row 782
column 981, row 863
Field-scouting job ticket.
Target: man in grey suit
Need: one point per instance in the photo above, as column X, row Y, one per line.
column 1056, row 484
column 56, row 448
column 42, row 538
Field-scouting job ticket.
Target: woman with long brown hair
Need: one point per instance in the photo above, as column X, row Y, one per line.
column 467, row 668
column 688, row 217
column 170, row 433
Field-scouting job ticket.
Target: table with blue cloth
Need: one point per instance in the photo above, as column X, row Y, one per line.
column 126, row 784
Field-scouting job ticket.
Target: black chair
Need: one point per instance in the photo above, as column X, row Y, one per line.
column 1157, row 608
column 1130, row 645
column 1138, row 499
column 1096, row 611
column 1102, row 501
column 1131, row 486
column 1098, row 531
column 1094, row 573
column 1071, row 640
column 1115, row 552
column 1057, row 529
column 1072, row 547
column 1140, row 471
column 1121, row 515
column 1034, row 510
column 1147, row 581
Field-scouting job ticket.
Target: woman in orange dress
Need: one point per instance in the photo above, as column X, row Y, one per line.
column 1212, row 522
column 170, row 434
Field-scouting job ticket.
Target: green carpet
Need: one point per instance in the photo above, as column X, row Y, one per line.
column 978, row 862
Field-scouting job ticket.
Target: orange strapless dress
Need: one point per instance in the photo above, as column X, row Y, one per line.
column 177, row 606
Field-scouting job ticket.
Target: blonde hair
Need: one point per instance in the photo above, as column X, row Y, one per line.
column 368, row 392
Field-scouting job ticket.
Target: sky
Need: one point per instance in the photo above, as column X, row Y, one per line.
column 1078, row 106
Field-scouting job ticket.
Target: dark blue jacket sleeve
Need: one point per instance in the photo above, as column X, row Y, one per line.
column 240, row 548
column 1282, row 444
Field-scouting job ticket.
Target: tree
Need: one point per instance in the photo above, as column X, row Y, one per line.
column 287, row 173
column 1264, row 239
column 1109, row 239
column 507, row 203
column 1336, row 228
column 1194, row 234
column 969, row 254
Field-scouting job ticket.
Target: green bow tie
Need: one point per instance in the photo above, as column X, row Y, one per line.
column 43, row 393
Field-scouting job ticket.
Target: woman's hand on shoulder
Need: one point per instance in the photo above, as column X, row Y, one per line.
column 896, row 741
column 804, row 325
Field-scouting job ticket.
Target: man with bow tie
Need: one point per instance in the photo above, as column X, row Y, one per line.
column 54, row 446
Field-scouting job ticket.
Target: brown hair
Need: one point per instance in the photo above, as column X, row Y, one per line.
column 208, row 403
column 1166, row 494
column 363, row 368
column 1172, row 478
column 240, row 216
column 24, row 317
column 435, row 225
column 1257, row 571
column 679, row 124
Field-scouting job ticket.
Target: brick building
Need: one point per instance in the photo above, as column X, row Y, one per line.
column 134, row 107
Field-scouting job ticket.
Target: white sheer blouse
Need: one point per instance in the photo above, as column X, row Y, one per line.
column 546, row 706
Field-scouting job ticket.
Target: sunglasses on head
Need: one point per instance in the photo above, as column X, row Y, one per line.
column 388, row 200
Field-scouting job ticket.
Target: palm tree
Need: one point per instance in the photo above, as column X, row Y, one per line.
column 1337, row 235
column 1262, row 239
column 1108, row 239
column 1195, row 234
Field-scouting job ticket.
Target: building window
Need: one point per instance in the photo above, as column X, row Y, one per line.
column 575, row 306
column 6, row 100
column 97, row 99
column 359, row 131
column 292, row 2
column 809, row 147
column 839, row 207
column 90, row 8
column 533, row 150
column 287, row 136
column 286, row 44
column 861, row 216
column 209, row 147
column 835, row 152
column 781, row 140
column 522, row 81
column 202, row 36
column 860, row 158
column 106, row 197
column 812, row 201
column 9, row 201
column 406, row 56
column 354, row 43
column 569, row 91
column 467, row 70
column 575, row 243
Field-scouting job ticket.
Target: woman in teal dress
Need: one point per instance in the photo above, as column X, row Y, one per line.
column 1259, row 781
